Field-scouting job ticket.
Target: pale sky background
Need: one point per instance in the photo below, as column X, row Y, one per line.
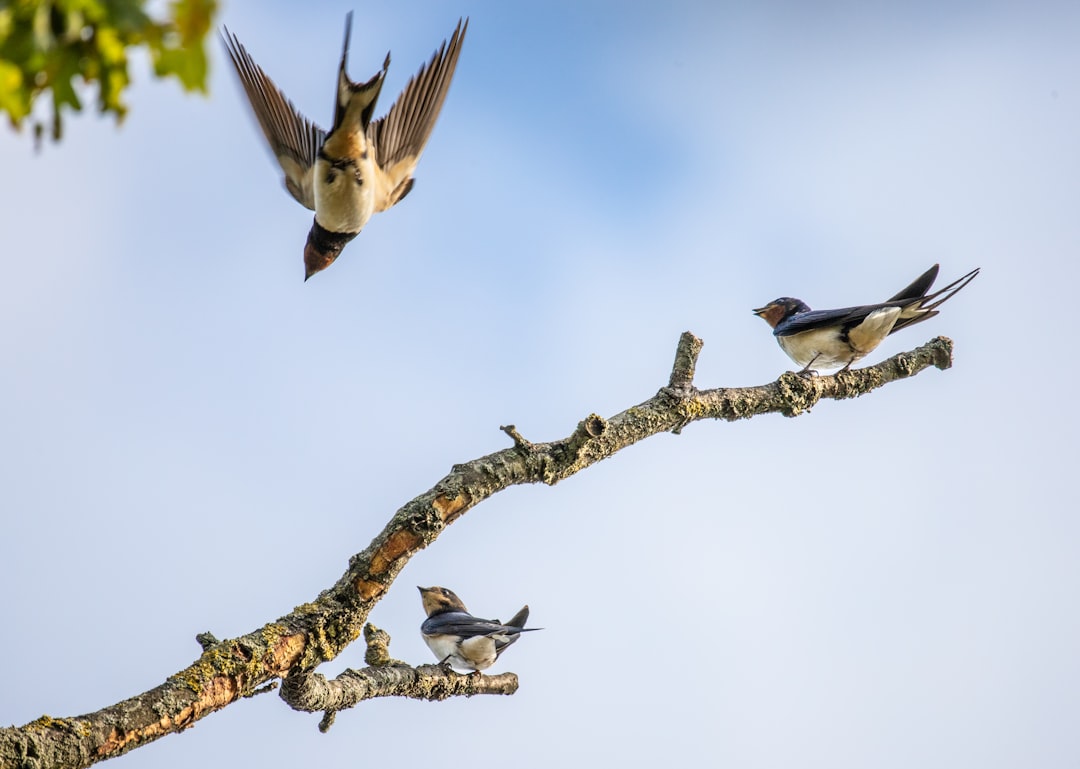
column 192, row 438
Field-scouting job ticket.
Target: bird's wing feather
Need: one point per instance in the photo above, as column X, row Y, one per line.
column 918, row 287
column 519, row 619
column 814, row 319
column 465, row 625
column 294, row 139
column 399, row 137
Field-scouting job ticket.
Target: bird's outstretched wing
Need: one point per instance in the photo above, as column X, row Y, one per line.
column 399, row 136
column 293, row 138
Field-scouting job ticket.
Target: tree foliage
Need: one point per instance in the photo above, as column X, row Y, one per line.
column 62, row 47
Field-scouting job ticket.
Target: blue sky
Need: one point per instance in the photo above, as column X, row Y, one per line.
column 195, row 439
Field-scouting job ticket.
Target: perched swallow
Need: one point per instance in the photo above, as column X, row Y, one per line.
column 834, row 338
column 362, row 166
column 465, row 641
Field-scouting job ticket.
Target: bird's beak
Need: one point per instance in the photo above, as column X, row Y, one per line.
column 760, row 310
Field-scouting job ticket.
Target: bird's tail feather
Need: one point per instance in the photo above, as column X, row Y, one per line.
column 924, row 308
column 948, row 291
column 348, row 92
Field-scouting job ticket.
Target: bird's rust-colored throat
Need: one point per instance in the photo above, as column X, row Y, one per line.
column 771, row 314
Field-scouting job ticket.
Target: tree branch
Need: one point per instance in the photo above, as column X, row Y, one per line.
column 311, row 692
column 686, row 355
column 294, row 645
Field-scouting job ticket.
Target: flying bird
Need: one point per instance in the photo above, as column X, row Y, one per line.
column 837, row 338
column 362, row 166
column 459, row 638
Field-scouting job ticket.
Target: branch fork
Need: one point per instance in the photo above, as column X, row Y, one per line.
column 385, row 677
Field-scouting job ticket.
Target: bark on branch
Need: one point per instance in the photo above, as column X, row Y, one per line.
column 291, row 647
column 386, row 677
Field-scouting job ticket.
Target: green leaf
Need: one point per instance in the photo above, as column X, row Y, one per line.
column 58, row 47
column 187, row 64
column 14, row 96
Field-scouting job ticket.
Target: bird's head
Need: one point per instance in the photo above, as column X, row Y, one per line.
column 778, row 309
column 322, row 248
column 437, row 600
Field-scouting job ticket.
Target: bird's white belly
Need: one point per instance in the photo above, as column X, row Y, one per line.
column 344, row 197
column 441, row 646
column 823, row 347
column 475, row 653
